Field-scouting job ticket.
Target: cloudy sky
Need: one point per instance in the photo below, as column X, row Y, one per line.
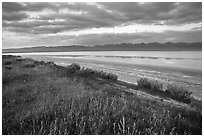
column 64, row 24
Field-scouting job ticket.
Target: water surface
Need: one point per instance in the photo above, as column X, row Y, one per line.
column 176, row 59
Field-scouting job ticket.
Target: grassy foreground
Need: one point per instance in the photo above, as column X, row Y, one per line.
column 43, row 98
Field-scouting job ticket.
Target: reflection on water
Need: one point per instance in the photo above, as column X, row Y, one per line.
column 177, row 59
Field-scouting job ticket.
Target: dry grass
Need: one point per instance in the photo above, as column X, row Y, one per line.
column 43, row 100
column 179, row 93
column 172, row 91
column 153, row 85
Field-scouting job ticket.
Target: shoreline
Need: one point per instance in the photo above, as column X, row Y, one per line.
column 130, row 72
column 125, row 64
column 189, row 79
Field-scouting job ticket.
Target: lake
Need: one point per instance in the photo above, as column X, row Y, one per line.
column 176, row 59
column 182, row 68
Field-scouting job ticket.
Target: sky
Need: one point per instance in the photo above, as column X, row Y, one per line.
column 63, row 24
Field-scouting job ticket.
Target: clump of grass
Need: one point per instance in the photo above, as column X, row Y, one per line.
column 29, row 65
column 9, row 75
column 19, row 58
column 7, row 63
column 73, row 68
column 179, row 93
column 50, row 63
column 153, row 85
column 39, row 62
column 172, row 91
column 90, row 72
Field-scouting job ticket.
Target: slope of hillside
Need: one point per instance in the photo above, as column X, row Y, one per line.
column 43, row 98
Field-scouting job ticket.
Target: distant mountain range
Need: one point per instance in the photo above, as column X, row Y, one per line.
column 196, row 46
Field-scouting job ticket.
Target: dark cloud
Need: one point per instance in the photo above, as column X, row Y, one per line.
column 40, row 27
column 29, row 6
column 94, row 17
column 11, row 11
column 137, row 12
column 184, row 13
column 12, row 7
column 174, row 13
column 17, row 17
column 103, row 14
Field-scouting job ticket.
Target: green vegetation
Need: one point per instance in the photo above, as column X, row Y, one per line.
column 86, row 72
column 43, row 98
column 172, row 91
column 179, row 93
column 152, row 85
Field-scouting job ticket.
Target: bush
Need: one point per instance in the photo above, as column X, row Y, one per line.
column 8, row 66
column 7, row 62
column 112, row 77
column 50, row 63
column 172, row 91
column 88, row 72
column 108, row 76
column 19, row 59
column 73, row 68
column 8, row 56
column 154, row 85
column 179, row 93
column 39, row 62
column 29, row 65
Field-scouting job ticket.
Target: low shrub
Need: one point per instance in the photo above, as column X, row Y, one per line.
column 29, row 65
column 8, row 56
column 50, row 63
column 7, row 62
column 73, row 68
column 36, row 62
column 19, row 59
column 8, row 66
column 90, row 72
column 154, row 85
column 112, row 77
column 172, row 91
column 179, row 93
